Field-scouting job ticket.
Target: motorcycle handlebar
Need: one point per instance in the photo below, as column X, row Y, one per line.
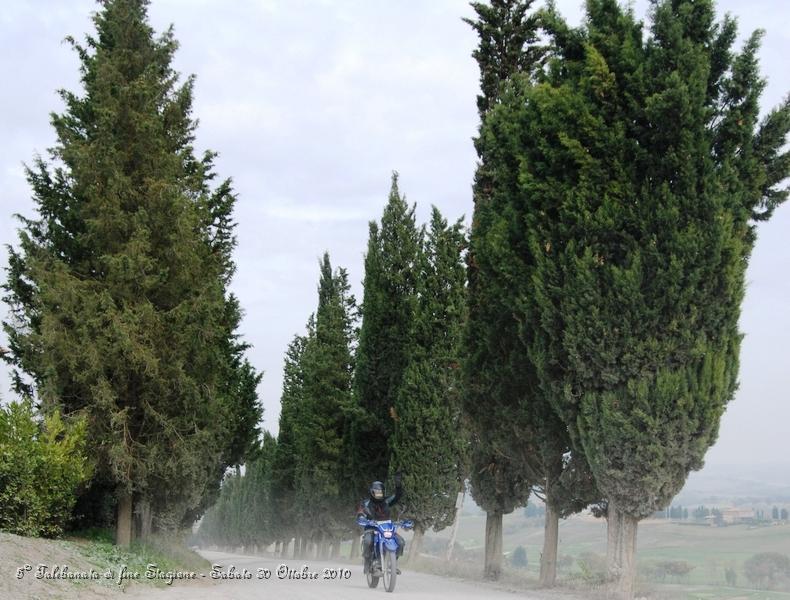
column 405, row 524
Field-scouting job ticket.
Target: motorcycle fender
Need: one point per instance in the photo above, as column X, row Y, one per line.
column 391, row 545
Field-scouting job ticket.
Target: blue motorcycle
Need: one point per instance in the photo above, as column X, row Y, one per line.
column 385, row 551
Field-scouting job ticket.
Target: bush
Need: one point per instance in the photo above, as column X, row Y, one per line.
column 519, row 557
column 768, row 570
column 731, row 576
column 42, row 464
column 592, row 567
column 565, row 561
column 673, row 569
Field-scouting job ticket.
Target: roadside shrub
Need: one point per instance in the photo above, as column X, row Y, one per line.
column 592, row 569
column 768, row 570
column 519, row 557
column 42, row 464
column 731, row 576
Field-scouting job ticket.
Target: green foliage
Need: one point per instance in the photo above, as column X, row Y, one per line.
column 429, row 443
column 676, row 570
column 494, row 378
column 508, row 45
column 519, row 558
column 42, row 466
column 167, row 552
column 636, row 169
column 592, row 569
column 118, row 290
column 768, row 570
column 285, row 456
column 326, row 405
column 245, row 514
column 386, row 335
column 505, row 395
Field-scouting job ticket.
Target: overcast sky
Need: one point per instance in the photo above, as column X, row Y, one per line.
column 311, row 105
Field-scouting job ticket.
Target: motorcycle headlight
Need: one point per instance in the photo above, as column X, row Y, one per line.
column 387, row 534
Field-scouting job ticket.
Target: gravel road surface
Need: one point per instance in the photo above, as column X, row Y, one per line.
column 282, row 585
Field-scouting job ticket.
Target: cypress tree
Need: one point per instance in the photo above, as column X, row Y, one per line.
column 118, row 289
column 261, row 524
column 643, row 171
column 386, row 336
column 508, row 45
column 497, row 378
column 284, row 461
column 428, row 442
column 560, row 475
column 327, row 370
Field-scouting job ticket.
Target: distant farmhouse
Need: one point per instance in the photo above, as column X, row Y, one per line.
column 733, row 516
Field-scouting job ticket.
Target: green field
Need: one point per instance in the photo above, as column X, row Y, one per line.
column 709, row 550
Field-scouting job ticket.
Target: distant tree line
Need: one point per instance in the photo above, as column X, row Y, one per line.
column 364, row 400
column 702, row 512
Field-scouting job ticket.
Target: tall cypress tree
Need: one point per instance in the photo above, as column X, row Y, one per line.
column 429, row 443
column 645, row 169
column 386, row 334
column 284, row 460
column 118, row 289
column 497, row 379
column 558, row 470
column 327, row 370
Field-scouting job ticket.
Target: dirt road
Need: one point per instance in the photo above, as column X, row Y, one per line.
column 280, row 584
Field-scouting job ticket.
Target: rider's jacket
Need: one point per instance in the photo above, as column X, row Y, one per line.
column 379, row 510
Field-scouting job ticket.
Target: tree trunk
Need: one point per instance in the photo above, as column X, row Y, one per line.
column 297, row 547
column 284, row 548
column 493, row 550
column 323, row 548
column 336, row 548
column 146, row 517
column 548, row 560
column 454, row 530
column 621, row 552
column 354, row 547
column 277, row 547
column 123, row 523
column 416, row 544
column 315, row 549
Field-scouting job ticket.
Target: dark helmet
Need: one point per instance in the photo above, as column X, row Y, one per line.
column 377, row 490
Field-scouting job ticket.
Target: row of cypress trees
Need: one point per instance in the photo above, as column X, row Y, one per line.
column 364, row 400
column 621, row 177
column 622, row 174
column 118, row 289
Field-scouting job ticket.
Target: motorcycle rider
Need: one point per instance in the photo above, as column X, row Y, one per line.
column 377, row 508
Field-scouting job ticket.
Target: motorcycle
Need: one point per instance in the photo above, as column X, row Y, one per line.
column 385, row 550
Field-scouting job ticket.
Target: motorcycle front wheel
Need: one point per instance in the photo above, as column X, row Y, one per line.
column 389, row 566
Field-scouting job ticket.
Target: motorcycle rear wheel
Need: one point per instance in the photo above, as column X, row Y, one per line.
column 373, row 580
